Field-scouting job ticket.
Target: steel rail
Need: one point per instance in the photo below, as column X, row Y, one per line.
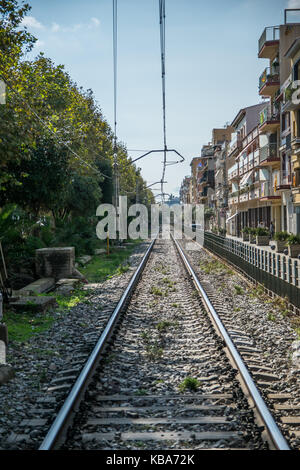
column 273, row 430
column 63, row 417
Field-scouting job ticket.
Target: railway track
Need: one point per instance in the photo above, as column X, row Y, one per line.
column 162, row 376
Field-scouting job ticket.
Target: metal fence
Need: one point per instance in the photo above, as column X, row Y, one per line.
column 277, row 272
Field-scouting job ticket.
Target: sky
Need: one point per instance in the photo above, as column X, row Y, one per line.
column 212, row 68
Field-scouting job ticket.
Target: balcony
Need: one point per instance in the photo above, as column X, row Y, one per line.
column 289, row 103
column 267, row 192
column 256, row 158
column 268, row 44
column 233, row 198
column 269, row 121
column 233, row 173
column 269, row 155
column 283, row 181
column 235, row 144
column 244, row 196
column 269, row 82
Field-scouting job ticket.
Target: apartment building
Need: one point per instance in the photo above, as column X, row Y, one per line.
column 278, row 126
column 247, row 182
column 264, row 177
column 290, row 160
column 185, row 193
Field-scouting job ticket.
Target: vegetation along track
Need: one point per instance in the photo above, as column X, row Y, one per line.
column 165, row 381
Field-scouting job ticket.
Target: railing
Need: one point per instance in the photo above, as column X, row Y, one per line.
column 283, row 178
column 209, row 152
column 233, row 171
column 268, row 151
column 272, row 33
column 236, row 142
column 277, row 272
column 269, row 76
column 266, row 115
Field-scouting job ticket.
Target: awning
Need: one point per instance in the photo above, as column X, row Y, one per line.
column 231, row 217
column 245, row 178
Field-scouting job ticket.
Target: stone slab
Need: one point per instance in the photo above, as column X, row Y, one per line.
column 100, row 251
column 2, row 352
column 40, row 286
column 84, row 259
column 67, row 282
column 6, row 373
column 33, row 304
column 3, row 333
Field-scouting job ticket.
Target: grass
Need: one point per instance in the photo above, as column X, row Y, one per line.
column 165, row 325
column 216, row 267
column 103, row 267
column 238, row 290
column 21, row 326
column 189, row 383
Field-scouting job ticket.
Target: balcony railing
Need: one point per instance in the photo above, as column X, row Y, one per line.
column 269, row 77
column 269, row 151
column 266, row 115
column 236, row 142
column 283, row 180
column 272, row 33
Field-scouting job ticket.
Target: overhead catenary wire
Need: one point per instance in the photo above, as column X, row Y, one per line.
column 162, row 22
column 115, row 71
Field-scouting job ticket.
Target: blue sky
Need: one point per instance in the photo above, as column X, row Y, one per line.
column 212, row 68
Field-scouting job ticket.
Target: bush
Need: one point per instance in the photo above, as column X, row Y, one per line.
column 281, row 236
column 293, row 240
column 262, row 232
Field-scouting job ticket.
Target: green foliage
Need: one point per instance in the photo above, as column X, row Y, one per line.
column 293, row 240
column 262, row 232
column 281, row 236
column 189, row 383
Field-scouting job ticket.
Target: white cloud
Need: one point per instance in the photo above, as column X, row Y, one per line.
column 32, row 22
column 55, row 27
column 95, row 22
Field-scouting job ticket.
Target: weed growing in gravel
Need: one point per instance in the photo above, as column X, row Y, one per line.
column 146, row 336
column 238, row 290
column 164, row 325
column 161, row 269
column 156, row 291
column 215, row 266
column 257, row 291
column 297, row 332
column 271, row 317
column 154, row 351
column 140, row 392
column 189, row 383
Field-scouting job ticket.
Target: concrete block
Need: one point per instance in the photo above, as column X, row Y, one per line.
column 40, row 286
column 3, row 333
column 33, row 304
column 55, row 262
column 100, row 251
column 2, row 352
column 6, row 373
column 84, row 259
